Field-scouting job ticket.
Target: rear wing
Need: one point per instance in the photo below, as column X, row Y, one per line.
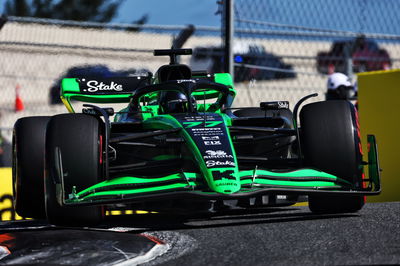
column 101, row 90
column 120, row 89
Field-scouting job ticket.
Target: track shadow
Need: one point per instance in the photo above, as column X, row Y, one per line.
column 161, row 222
column 139, row 223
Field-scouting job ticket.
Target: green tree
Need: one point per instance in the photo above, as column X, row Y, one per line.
column 78, row 10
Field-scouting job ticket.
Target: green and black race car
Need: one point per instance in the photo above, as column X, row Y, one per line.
column 180, row 145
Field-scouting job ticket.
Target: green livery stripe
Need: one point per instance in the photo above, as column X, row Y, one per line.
column 205, row 95
column 129, row 181
column 297, row 175
column 249, row 181
column 268, row 182
column 373, row 164
column 227, row 119
column 207, row 124
column 115, row 98
column 225, row 79
column 69, row 85
column 299, row 178
column 127, row 192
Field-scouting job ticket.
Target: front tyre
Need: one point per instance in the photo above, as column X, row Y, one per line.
column 78, row 138
column 28, row 166
column 330, row 142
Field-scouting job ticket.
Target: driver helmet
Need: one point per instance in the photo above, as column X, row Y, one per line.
column 339, row 87
column 173, row 102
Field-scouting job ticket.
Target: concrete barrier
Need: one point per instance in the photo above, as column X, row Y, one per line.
column 379, row 113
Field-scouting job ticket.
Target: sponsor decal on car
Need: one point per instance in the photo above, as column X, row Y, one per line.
column 214, row 131
column 199, row 118
column 212, row 142
column 94, row 86
column 228, row 174
column 212, row 163
column 207, row 124
column 219, row 154
column 186, row 80
column 283, row 105
column 227, row 184
column 111, row 86
column 210, row 138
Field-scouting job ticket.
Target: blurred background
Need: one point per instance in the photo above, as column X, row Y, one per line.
column 281, row 50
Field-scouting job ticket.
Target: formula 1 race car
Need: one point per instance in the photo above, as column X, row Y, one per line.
column 180, row 145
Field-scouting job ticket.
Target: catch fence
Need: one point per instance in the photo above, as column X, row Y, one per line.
column 278, row 51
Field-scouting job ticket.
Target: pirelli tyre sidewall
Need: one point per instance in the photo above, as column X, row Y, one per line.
column 28, row 148
column 330, row 142
column 78, row 137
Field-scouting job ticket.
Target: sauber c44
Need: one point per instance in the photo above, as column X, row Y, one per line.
column 179, row 144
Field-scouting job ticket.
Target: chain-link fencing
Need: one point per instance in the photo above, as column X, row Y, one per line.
column 283, row 50
column 289, row 47
column 36, row 53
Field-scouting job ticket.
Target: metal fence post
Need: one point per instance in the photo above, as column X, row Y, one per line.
column 228, row 36
column 348, row 60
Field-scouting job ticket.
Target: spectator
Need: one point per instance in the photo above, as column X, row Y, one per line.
column 340, row 87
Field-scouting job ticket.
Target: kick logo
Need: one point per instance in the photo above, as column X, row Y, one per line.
column 228, row 174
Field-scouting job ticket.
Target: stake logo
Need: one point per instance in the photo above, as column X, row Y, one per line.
column 283, row 105
column 94, row 86
column 212, row 163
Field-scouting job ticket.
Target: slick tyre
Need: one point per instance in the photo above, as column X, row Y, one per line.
column 78, row 139
column 28, row 147
column 330, row 142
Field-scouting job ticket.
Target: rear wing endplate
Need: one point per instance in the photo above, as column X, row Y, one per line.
column 374, row 170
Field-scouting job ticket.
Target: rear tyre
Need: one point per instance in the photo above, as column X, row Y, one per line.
column 28, row 166
column 330, row 142
column 78, row 138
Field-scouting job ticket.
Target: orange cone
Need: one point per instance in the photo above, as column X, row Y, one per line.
column 19, row 104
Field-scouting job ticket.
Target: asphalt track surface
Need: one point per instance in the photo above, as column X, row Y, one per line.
column 277, row 236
